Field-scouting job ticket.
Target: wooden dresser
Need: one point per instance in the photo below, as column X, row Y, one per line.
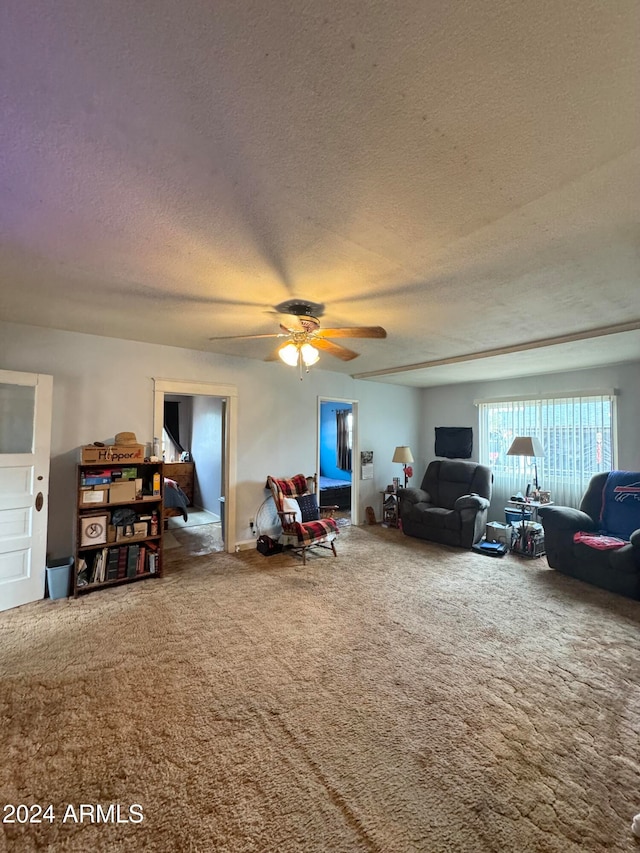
column 183, row 473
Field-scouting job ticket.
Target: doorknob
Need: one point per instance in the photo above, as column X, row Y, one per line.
column 39, row 501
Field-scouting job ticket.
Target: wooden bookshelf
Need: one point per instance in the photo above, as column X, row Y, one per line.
column 118, row 540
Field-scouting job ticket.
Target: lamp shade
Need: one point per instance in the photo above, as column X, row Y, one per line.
column 309, row 354
column 526, row 445
column 289, row 354
column 403, row 454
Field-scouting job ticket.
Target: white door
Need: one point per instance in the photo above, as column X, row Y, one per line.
column 25, row 441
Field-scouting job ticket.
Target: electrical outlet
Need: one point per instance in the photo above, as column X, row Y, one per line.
column 252, row 521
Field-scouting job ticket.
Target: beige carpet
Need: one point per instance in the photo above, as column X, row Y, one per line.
column 402, row 697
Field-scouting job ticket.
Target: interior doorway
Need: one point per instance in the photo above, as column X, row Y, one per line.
column 337, row 456
column 194, row 428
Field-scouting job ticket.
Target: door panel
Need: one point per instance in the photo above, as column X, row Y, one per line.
column 15, row 566
column 15, row 523
column 16, row 485
column 25, row 439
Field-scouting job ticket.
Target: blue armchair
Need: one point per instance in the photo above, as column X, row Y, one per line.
column 602, row 511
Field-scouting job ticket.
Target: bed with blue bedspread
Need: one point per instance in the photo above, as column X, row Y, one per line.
column 335, row 492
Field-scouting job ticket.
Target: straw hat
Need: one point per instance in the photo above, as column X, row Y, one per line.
column 126, row 439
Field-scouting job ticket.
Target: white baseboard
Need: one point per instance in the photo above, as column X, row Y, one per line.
column 246, row 545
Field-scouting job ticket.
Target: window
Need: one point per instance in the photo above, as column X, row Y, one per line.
column 577, row 434
column 344, row 445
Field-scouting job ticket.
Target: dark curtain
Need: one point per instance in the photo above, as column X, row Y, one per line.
column 343, row 446
column 172, row 422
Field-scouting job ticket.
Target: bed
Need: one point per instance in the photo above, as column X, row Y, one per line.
column 335, row 492
column 175, row 501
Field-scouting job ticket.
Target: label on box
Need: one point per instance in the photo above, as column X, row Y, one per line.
column 95, row 496
column 113, row 453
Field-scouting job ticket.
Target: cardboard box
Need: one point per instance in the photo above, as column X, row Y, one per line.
column 90, row 454
column 140, row 528
column 123, row 491
column 124, row 533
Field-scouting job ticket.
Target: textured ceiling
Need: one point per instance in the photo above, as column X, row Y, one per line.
column 465, row 174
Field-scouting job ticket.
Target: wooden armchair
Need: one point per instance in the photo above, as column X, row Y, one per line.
column 304, row 524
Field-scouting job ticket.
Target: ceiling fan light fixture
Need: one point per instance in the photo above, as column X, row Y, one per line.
column 289, row 353
column 310, row 354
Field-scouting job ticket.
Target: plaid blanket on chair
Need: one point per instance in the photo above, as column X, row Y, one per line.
column 311, row 531
column 306, row 532
column 291, row 488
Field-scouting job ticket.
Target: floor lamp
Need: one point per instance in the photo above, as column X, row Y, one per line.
column 530, row 446
column 403, row 455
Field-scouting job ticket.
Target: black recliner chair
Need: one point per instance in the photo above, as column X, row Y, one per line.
column 617, row 570
column 451, row 504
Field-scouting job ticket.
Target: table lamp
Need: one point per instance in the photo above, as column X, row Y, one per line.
column 403, row 455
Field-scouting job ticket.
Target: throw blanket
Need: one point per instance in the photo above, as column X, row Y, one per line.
column 620, row 514
column 175, row 498
column 598, row 540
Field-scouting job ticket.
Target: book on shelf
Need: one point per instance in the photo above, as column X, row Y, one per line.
column 142, row 554
column 122, row 561
column 152, row 550
column 112, row 564
column 98, row 571
column 132, row 560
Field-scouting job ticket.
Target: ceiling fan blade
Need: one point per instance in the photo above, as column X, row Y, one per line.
column 353, row 332
column 291, row 325
column 334, row 349
column 247, row 337
column 275, row 354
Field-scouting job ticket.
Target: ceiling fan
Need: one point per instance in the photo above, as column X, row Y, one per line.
column 304, row 336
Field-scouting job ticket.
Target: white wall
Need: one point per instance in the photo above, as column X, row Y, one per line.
column 102, row 386
column 206, row 447
column 452, row 405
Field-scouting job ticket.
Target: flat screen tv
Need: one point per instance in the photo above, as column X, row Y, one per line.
column 454, row 442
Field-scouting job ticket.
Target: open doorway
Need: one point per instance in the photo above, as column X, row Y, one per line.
column 192, row 445
column 337, row 455
column 194, row 427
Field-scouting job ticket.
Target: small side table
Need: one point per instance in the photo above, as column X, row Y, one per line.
column 534, row 506
column 390, row 516
column 534, row 545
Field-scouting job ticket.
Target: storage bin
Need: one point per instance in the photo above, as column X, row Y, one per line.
column 497, row 532
column 59, row 577
column 514, row 516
